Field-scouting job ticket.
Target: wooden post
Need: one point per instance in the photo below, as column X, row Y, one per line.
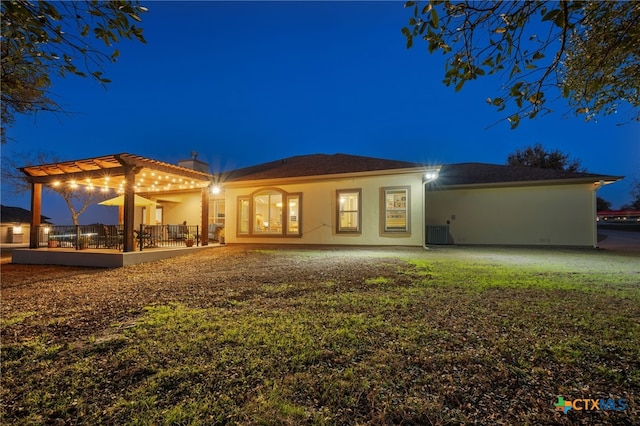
column 36, row 214
column 129, row 205
column 204, row 235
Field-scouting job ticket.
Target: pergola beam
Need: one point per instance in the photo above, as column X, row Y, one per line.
column 79, row 176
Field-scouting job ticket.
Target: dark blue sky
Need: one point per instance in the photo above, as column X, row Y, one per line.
column 249, row 82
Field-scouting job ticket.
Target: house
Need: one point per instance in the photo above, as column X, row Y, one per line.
column 15, row 224
column 342, row 199
column 621, row 220
column 353, row 200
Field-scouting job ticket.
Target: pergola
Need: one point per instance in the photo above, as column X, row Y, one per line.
column 126, row 174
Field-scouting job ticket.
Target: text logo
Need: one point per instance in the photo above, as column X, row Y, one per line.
column 590, row 405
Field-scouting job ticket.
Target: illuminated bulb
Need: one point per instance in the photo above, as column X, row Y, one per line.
column 431, row 175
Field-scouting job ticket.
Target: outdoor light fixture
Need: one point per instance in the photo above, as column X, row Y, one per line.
column 431, row 175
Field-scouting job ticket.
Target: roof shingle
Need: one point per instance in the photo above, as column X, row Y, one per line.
column 481, row 173
column 315, row 165
column 449, row 175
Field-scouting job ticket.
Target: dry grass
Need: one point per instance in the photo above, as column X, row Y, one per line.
column 389, row 336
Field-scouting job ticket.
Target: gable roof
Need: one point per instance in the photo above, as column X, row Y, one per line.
column 10, row 214
column 315, row 165
column 481, row 173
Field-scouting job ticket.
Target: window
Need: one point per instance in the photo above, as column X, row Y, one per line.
column 243, row 216
column 349, row 210
column 269, row 213
column 396, row 209
column 293, row 228
column 218, row 212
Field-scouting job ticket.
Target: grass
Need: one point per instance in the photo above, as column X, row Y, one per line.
column 433, row 342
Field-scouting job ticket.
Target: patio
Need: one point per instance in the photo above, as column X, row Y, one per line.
column 103, row 245
column 131, row 176
column 99, row 257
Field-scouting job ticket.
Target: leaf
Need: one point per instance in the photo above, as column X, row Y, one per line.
column 550, row 16
column 459, row 85
column 434, row 18
column 514, row 120
column 501, row 30
column 409, row 37
column 538, row 55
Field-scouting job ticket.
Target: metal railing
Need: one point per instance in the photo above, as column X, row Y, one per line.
column 99, row 236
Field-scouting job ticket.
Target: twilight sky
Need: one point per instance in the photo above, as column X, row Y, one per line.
column 243, row 83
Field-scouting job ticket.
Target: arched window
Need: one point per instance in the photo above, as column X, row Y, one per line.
column 269, row 212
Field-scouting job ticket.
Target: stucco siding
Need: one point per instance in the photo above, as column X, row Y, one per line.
column 318, row 212
column 561, row 215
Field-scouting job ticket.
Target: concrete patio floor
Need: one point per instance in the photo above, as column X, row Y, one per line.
column 102, row 258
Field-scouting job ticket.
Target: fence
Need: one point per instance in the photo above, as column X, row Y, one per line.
column 111, row 237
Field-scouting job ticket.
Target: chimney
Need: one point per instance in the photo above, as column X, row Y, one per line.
column 194, row 163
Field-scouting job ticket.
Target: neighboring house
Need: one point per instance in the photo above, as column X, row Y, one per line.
column 619, row 216
column 352, row 200
column 622, row 220
column 15, row 224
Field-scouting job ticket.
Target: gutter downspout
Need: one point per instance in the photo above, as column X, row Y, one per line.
column 598, row 185
column 424, row 215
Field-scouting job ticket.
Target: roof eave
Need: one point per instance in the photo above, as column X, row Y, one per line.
column 606, row 180
column 240, row 183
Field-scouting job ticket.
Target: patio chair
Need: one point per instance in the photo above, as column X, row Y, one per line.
column 177, row 232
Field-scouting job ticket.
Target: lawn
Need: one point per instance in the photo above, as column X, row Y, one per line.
column 325, row 337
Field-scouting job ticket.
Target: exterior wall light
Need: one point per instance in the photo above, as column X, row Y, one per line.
column 431, row 175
